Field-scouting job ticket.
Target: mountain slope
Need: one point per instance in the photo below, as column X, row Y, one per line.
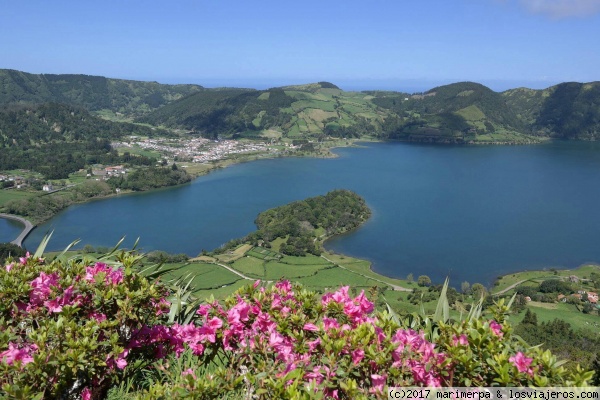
column 57, row 139
column 91, row 92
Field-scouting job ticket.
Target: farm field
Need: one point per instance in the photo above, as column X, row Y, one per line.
column 582, row 272
column 12, row 194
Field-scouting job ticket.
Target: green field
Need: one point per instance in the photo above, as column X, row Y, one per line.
column 582, row 272
column 206, row 276
column 263, row 254
column 250, row 266
column 567, row 312
column 7, row 195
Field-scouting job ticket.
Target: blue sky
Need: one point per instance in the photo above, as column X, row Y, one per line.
column 408, row 45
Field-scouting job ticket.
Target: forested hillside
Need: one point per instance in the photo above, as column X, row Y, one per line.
column 464, row 112
column 56, row 139
column 305, row 223
column 92, row 92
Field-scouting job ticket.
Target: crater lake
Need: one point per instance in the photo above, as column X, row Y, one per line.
column 468, row 212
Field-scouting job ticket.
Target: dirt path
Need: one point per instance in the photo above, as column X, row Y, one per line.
column 510, row 287
column 395, row 287
column 28, row 227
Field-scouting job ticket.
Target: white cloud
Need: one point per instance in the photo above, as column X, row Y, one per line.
column 563, row 8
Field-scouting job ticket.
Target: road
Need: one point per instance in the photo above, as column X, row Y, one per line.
column 395, row 287
column 28, row 227
column 510, row 287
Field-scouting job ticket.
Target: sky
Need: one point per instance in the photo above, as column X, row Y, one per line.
column 408, row 45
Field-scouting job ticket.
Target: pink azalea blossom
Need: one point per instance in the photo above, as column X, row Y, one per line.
column 522, row 362
column 311, row 327
column 378, row 381
column 9, row 267
column 86, row 394
column 14, row 354
column 496, row 328
column 357, row 356
column 42, row 287
column 461, row 340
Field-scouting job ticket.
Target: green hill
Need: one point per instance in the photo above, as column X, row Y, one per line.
column 94, row 93
column 463, row 112
column 460, row 112
column 296, row 111
column 56, row 139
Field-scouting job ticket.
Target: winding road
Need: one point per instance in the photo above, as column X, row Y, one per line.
column 28, row 227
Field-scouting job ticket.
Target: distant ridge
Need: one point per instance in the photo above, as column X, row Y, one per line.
column 463, row 112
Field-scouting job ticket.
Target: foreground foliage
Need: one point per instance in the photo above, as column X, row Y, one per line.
column 75, row 328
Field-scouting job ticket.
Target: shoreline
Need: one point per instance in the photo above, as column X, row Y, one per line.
column 27, row 227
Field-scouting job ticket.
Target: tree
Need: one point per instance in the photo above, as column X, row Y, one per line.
column 465, row 287
column 424, row 280
column 410, row 278
column 9, row 249
column 530, row 318
column 478, row 290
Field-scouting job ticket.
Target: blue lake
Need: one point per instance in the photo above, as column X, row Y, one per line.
column 9, row 230
column 471, row 213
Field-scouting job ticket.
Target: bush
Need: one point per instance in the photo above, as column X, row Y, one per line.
column 73, row 328
column 71, row 324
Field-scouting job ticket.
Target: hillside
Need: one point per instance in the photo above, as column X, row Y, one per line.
column 56, row 139
column 464, row 112
column 94, row 93
column 294, row 111
column 460, row 112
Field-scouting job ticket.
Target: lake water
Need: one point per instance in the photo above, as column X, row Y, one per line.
column 9, row 230
column 471, row 213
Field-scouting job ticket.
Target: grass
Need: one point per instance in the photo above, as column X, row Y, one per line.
column 235, row 254
column 582, row 272
column 335, row 277
column 566, row 312
column 276, row 270
column 205, row 276
column 306, row 260
column 250, row 266
column 7, row 195
column 262, row 253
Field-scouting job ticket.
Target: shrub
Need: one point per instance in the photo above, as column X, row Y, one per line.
column 69, row 324
column 75, row 327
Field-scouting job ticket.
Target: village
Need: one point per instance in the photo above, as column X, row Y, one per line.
column 196, row 149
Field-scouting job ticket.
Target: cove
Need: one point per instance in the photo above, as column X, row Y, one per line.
column 471, row 213
column 9, row 230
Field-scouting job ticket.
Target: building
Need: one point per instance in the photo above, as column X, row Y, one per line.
column 48, row 187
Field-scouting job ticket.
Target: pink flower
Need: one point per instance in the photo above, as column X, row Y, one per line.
column 86, row 394
column 99, row 317
column 256, row 284
column 9, row 267
column 357, row 356
column 496, row 328
column 522, row 363
column 189, row 371
column 42, row 287
column 461, row 340
column 112, row 276
column 14, row 354
column 377, row 381
column 311, row 327
column 23, row 260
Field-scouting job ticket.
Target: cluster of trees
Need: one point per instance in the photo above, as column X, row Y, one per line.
column 228, row 111
column 11, row 250
column 92, row 92
column 579, row 346
column 41, row 208
column 336, row 212
column 151, row 178
column 56, row 139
